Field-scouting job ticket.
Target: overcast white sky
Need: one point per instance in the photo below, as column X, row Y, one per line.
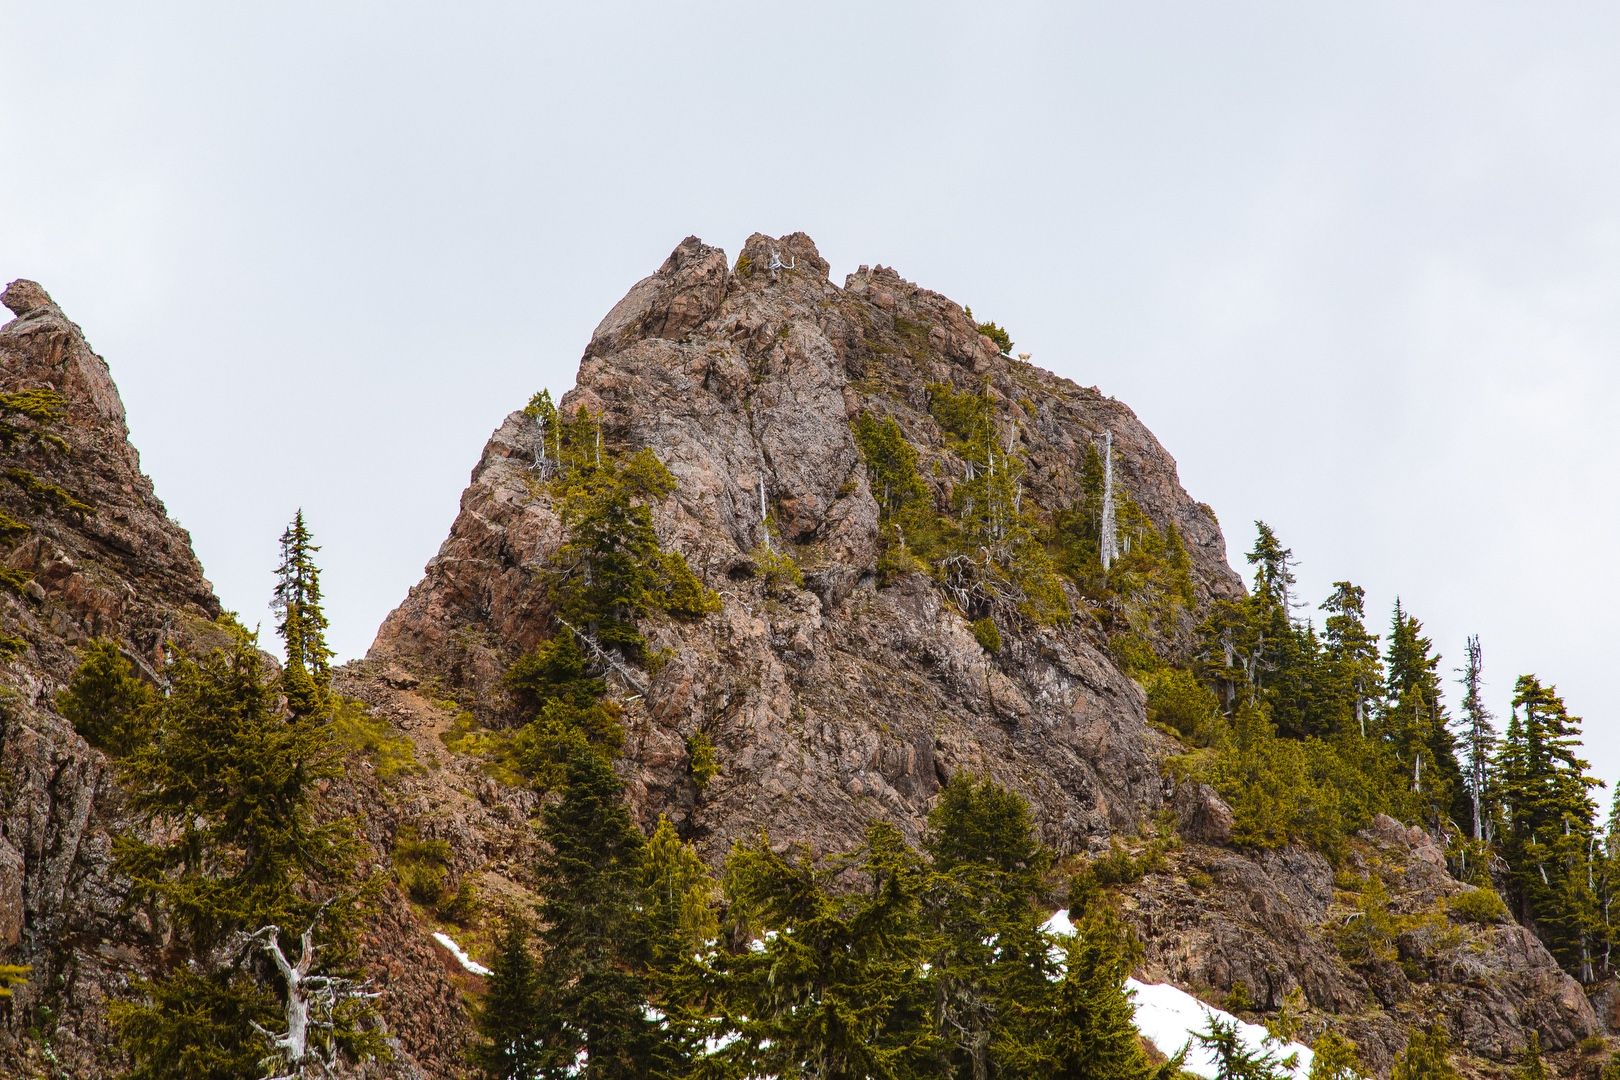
column 1357, row 266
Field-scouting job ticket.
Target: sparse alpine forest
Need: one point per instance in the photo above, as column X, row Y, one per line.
column 277, row 848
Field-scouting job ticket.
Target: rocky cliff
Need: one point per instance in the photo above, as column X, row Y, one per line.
column 120, row 569
column 842, row 700
column 850, row 697
column 854, row 697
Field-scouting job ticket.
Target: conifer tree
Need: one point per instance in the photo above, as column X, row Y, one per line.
column 27, row 418
column 1256, row 648
column 1547, row 839
column 547, row 433
column 1273, row 569
column 227, row 786
column 988, row 961
column 1427, row 1056
column 509, row 1047
column 996, row 565
column 1414, row 721
column 1334, row 1057
column 1092, row 1034
column 611, row 572
column 834, row 990
column 1234, row 1059
column 905, row 505
column 594, row 986
column 301, row 621
column 1353, row 670
column 107, row 702
column 1530, row 1066
column 1608, row 887
column 682, row 931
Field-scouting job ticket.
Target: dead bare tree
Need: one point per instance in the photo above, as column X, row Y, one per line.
column 305, row 1049
column 1108, row 542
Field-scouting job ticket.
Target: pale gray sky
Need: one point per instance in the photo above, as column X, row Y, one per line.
column 1357, row 266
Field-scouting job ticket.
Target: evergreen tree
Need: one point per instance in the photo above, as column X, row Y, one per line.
column 834, row 988
column 1427, row 1057
column 1548, row 839
column 1234, row 1059
column 988, row 961
column 611, row 572
column 996, row 565
column 1092, row 1034
column 594, row 986
column 1255, row 647
column 301, row 622
column 1608, row 886
column 1334, row 1057
column 1530, row 1066
column 1478, row 739
column 682, row 931
column 226, row 787
column 1353, row 671
column 1273, row 569
column 107, row 702
column 1414, row 721
column 233, row 780
column 905, row 505
column 191, row 1025
column 1228, row 658
column 509, row 1047
column 27, row 418
column 560, row 688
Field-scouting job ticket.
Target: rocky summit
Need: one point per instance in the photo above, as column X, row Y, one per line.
column 835, row 684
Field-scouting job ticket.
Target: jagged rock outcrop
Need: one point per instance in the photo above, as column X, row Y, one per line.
column 845, row 700
column 1257, row 926
column 848, row 699
column 121, row 570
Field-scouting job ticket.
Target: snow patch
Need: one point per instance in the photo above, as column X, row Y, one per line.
column 1167, row 1017
column 461, row 957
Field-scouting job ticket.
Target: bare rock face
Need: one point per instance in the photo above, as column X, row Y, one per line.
column 843, row 701
column 1254, row 927
column 846, row 701
column 121, row 570
column 833, row 704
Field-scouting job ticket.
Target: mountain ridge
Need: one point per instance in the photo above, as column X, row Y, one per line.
column 848, row 697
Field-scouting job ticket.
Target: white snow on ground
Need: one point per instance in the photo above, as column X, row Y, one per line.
column 462, row 958
column 1167, row 1017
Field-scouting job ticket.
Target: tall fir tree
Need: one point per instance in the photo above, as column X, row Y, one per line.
column 593, row 976
column 1414, row 723
column 1334, row 1057
column 1547, row 839
column 682, row 931
column 27, row 420
column 989, row 969
column 1427, row 1056
column 1352, row 668
column 509, row 1045
column 301, row 621
column 1092, row 1034
column 234, row 847
column 1256, row 648
column 1234, row 1058
column 835, row 988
